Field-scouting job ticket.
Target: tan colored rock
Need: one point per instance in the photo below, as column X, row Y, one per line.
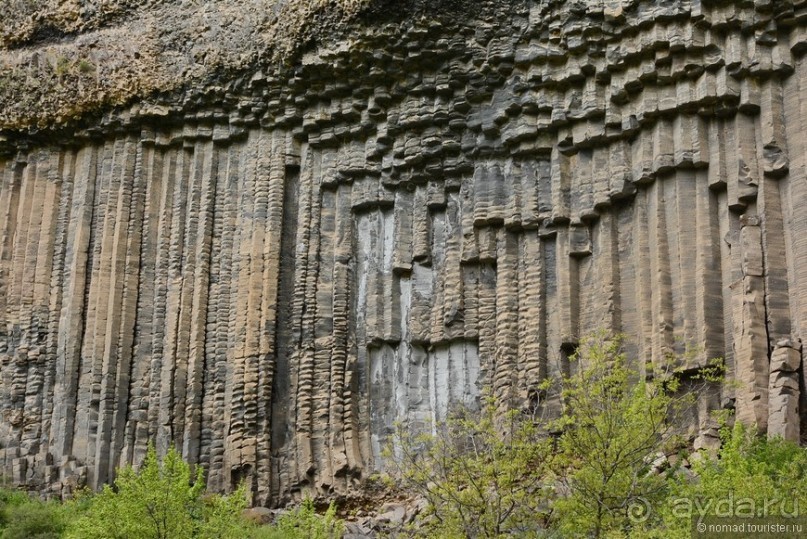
column 272, row 268
column 784, row 391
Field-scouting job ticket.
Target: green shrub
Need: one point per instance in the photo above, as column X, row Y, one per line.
column 481, row 474
column 303, row 523
column 36, row 520
column 612, row 428
column 160, row 501
column 9, row 499
column 750, row 475
column 585, row 474
column 23, row 517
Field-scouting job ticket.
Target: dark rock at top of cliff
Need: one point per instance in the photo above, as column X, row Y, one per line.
column 61, row 60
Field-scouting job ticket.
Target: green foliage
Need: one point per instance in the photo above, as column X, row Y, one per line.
column 222, row 515
column 85, row 66
column 480, row 474
column 10, row 499
column 36, row 520
column 612, row 429
column 497, row 474
column 303, row 523
column 22, row 517
column 750, row 476
column 490, row 473
column 160, row 501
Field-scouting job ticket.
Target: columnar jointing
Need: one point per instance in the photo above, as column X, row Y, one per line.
column 436, row 211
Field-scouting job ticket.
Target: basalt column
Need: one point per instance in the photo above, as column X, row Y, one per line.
column 270, row 273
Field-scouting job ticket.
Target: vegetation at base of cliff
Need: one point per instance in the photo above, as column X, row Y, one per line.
column 303, row 523
column 611, row 465
column 480, row 474
column 750, row 477
column 612, row 430
column 22, row 517
column 160, row 500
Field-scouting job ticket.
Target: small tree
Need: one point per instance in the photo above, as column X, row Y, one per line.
column 481, row 474
column 588, row 473
column 160, row 501
column 613, row 427
column 10, row 499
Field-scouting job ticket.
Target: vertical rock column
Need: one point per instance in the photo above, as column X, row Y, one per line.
column 253, row 315
column 71, row 317
column 751, row 346
column 783, row 391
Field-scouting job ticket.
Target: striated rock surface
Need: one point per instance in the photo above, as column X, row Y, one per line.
column 269, row 267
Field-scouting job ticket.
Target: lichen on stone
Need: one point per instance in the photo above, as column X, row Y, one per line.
column 63, row 59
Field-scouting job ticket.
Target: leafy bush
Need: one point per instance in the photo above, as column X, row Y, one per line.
column 480, row 474
column 303, row 523
column 9, row 499
column 36, row 520
column 612, row 429
column 22, row 517
column 160, row 501
column 585, row 474
column 750, row 476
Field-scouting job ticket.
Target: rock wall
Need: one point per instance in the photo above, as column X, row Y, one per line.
column 269, row 273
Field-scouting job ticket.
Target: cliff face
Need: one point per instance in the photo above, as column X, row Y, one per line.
column 269, row 270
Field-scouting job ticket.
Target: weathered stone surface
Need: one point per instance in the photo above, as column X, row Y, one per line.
column 269, row 273
column 784, row 391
